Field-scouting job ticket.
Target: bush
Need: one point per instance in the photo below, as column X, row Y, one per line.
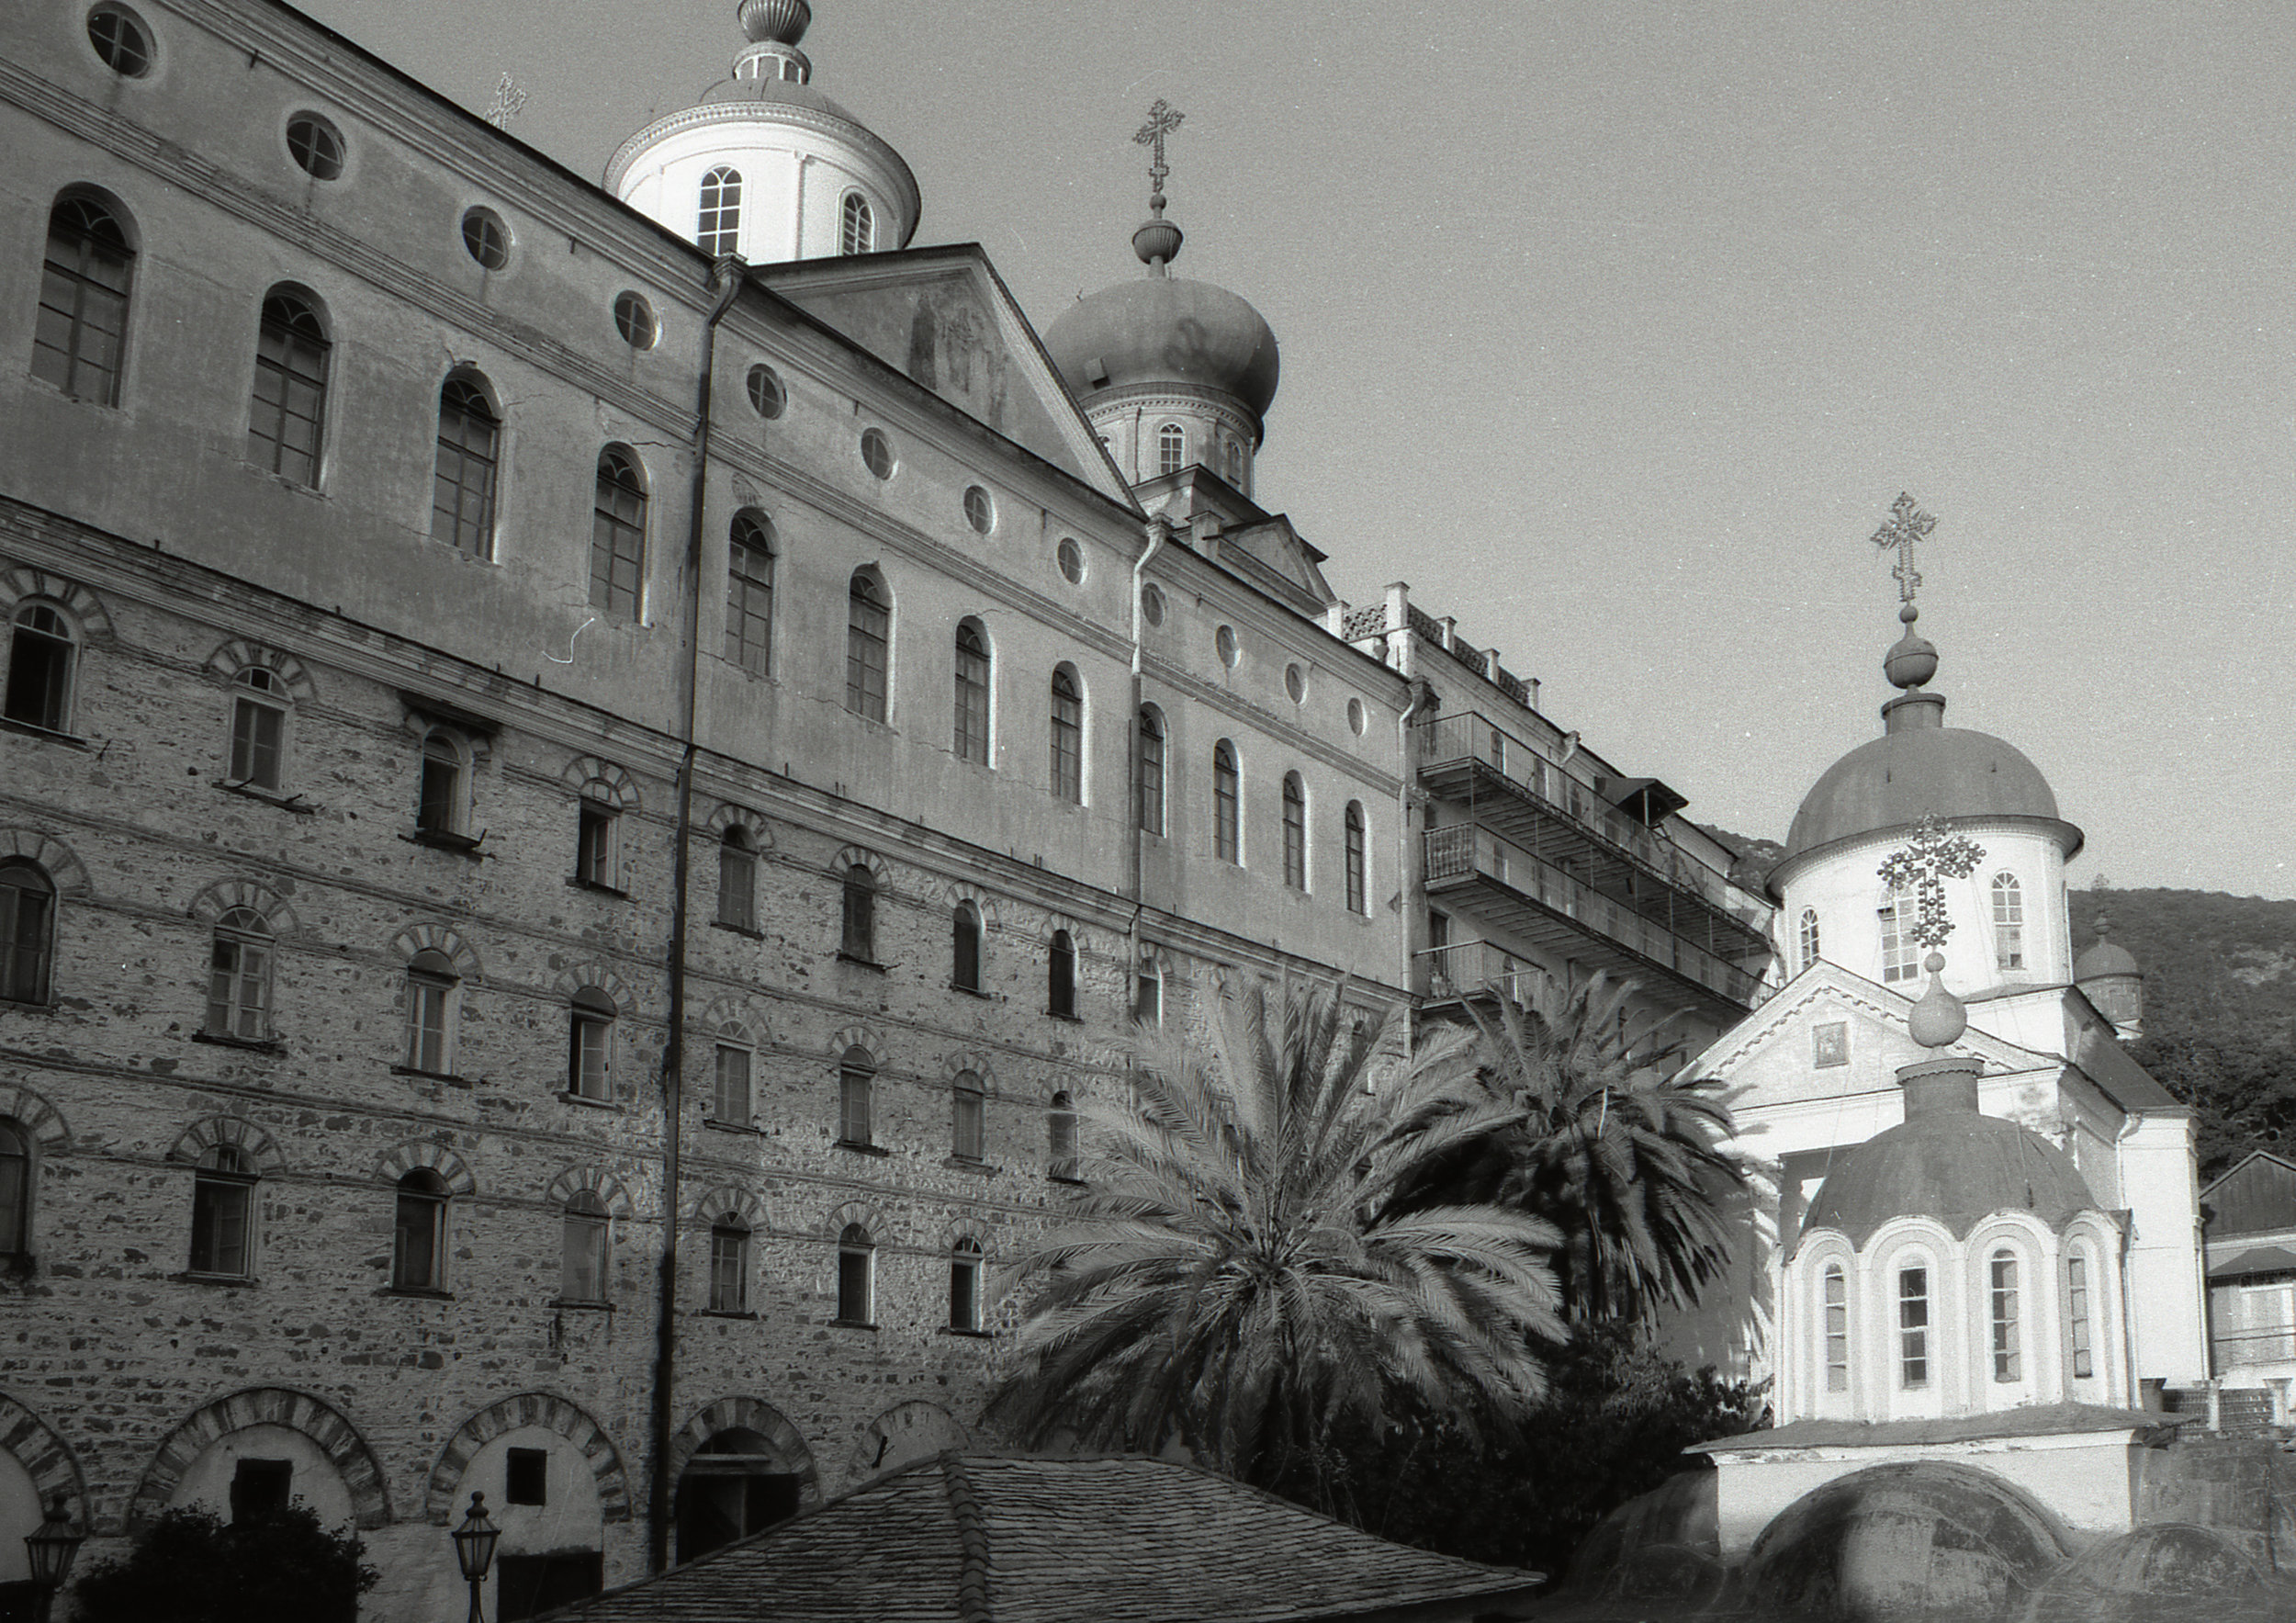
column 193, row 1567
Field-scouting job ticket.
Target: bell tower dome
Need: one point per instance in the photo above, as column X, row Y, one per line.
column 765, row 166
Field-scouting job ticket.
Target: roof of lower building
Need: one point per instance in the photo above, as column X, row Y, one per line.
column 1958, row 1168
column 984, row 1538
column 2034, row 1420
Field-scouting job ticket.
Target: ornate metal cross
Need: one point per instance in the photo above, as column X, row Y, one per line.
column 1162, row 122
column 1922, row 865
column 508, row 99
column 1905, row 525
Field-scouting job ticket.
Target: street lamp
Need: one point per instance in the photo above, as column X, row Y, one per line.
column 50, row 1548
column 473, row 1548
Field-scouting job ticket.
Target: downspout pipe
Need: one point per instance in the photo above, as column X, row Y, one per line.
column 725, row 280
column 1157, row 532
column 1410, row 865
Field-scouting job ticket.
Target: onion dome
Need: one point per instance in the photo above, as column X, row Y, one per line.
column 1939, row 1018
column 2104, row 959
column 1166, row 330
column 1959, row 1166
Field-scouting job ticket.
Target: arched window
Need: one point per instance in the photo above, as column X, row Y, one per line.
column 1901, row 954
column 79, row 342
column 964, row 958
column 856, row 1275
column 1171, row 449
column 617, row 536
column 1061, row 1141
column 858, row 226
column 1148, row 993
column 288, row 411
column 729, row 1092
column 749, row 593
column 1068, row 737
column 1295, row 832
column 2003, row 1316
column 718, row 225
column 223, row 1212
column 867, row 636
column 858, row 941
column 28, row 930
column 1357, row 859
column 597, row 840
column 729, row 1266
column 968, row 1118
column 469, row 451
column 737, row 879
column 441, row 798
column 589, row 1044
column 16, row 1190
column 259, row 713
column 1060, row 987
column 239, row 977
column 1151, row 768
column 583, row 1231
column 418, row 1240
column 856, row 1083
column 43, row 655
column 2009, row 922
column 1837, row 1328
column 1913, row 1327
column 972, row 686
column 2078, row 1314
column 1235, row 463
column 1809, row 936
column 432, row 986
column 964, row 1285
column 1226, row 837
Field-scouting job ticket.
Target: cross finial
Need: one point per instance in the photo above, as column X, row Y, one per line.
column 508, row 99
column 1922, row 865
column 1162, row 119
column 1905, row 525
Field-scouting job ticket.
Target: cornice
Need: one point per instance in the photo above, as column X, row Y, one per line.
column 818, row 121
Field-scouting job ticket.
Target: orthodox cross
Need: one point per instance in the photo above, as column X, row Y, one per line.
column 1922, row 865
column 1162, row 122
column 1905, row 525
column 508, row 99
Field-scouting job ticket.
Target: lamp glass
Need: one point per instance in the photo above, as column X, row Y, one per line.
column 52, row 1546
column 475, row 1540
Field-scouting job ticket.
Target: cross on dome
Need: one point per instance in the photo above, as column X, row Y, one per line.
column 1905, row 525
column 1162, row 119
column 1923, row 864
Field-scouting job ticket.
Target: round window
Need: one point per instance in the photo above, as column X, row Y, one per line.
column 634, row 319
column 1072, row 561
column 1229, row 649
column 1151, row 605
column 1296, row 683
column 766, row 392
column 316, row 146
column 877, row 452
column 489, row 242
column 1356, row 716
column 979, row 511
column 119, row 39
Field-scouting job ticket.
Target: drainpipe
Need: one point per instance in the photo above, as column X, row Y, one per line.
column 725, row 280
column 1157, row 530
column 1411, row 867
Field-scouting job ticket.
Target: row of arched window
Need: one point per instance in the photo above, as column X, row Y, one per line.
column 2005, row 1348
column 1900, row 910
column 717, row 217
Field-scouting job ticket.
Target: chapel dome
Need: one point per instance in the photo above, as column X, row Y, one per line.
column 1957, row 1166
column 1901, row 777
column 1164, row 328
column 2104, row 958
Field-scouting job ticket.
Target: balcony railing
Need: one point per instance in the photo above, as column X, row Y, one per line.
column 1469, row 967
column 1465, row 850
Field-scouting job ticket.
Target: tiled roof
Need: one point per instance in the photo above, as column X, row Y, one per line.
column 981, row 1539
column 2033, row 1420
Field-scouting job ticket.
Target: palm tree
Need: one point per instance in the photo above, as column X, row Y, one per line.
column 1234, row 1277
column 1610, row 1142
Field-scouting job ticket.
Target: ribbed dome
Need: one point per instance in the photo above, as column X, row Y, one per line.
column 1957, row 1166
column 1899, row 778
column 773, row 93
column 1166, row 330
column 2103, row 959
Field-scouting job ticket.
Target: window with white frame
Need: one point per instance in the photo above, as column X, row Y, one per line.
column 617, row 536
column 717, row 220
column 964, row 1284
column 418, row 1247
column 968, row 1123
column 585, row 1229
column 1171, row 449
column 1901, row 954
column 597, row 826
column 729, row 1267
column 239, row 977
column 463, row 480
column 287, row 416
column 972, row 693
column 431, row 991
column 737, row 879
column 28, row 930
column 1150, row 770
column 856, row 1100
column 222, row 1213
column 441, row 805
column 2002, row 1315
column 1068, row 737
column 729, row 1092
column 2009, row 922
column 1295, row 832
column 1809, row 936
column 856, row 1275
column 1837, row 1305
column 868, row 647
column 857, row 225
column 589, row 1044
column 43, row 657
column 259, row 717
column 1356, row 857
column 79, row 340
column 2077, row 1315
column 1913, row 1326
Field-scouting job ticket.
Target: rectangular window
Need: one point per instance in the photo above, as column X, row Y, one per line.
column 258, row 742
column 1357, row 902
column 427, row 1025
column 588, row 1056
column 737, row 886
column 82, row 307
column 290, row 392
column 219, row 1225
column 968, row 1126
column 853, row 1124
column 853, row 1305
column 1837, row 1331
column 750, row 609
column 1913, row 1326
column 1148, row 999
column 439, row 802
column 593, row 846
column 260, row 1487
column 964, row 1293
column 730, row 1099
column 415, row 1237
column 2077, row 1294
column 729, row 1281
column 582, row 1257
column 239, row 979
column 526, row 1477
column 1901, row 954
column 2004, row 1317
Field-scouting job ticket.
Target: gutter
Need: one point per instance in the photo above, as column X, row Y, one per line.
column 1158, row 531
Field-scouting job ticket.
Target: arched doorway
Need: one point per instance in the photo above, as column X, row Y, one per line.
column 735, row 1484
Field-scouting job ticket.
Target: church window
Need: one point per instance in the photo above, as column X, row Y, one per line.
column 856, row 1088
column 617, row 536
column 717, row 229
column 1836, row 1329
column 2004, row 1317
column 1152, row 604
column 729, row 1086
column 968, row 1116
column 964, row 965
column 1227, row 646
column 964, row 1285
column 119, row 39
column 432, row 985
column 418, row 1239
column 1151, row 770
column 486, row 238
column 462, row 484
column 16, row 1190
column 1295, row 832
column 1913, row 1327
column 1171, row 449
column 1062, row 1166
column 856, row 1275
column 2009, row 922
column 222, row 1203
column 1226, row 841
column 316, row 146
column 729, row 1267
column 749, row 592
column 239, row 977
column 980, row 510
column 858, row 938
column 737, row 879
column 589, row 1044
column 767, row 397
column 634, row 319
column 288, row 408
column 1901, row 954
column 877, row 453
column 857, row 232
column 42, row 653
column 1235, row 463
column 1070, row 559
column 972, row 693
column 27, row 931
column 83, row 317
column 1068, row 737
column 1358, row 901
column 1060, row 981
column 868, row 639
column 2076, row 1313
column 584, row 1229
column 1357, row 719
column 1809, row 936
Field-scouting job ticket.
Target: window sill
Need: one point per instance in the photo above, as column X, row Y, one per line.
column 723, row 1313
column 1072, row 1018
column 416, row 1293
column 286, row 802
column 449, row 1077
column 253, row 1045
column 973, row 1164
column 284, row 483
column 869, row 963
column 572, row 1097
column 750, row 1128
column 851, row 1324
column 742, row 929
column 228, row 1281
column 1068, row 1178
column 462, row 845
column 31, row 730
column 968, row 1334
column 576, row 882
column 580, row 1304
column 973, row 992
column 862, row 1149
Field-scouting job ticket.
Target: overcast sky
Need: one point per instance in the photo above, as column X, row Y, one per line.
column 1614, row 329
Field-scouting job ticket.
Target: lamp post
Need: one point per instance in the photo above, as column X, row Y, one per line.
column 50, row 1548
column 473, row 1548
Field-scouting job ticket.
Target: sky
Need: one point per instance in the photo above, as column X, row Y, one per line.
column 1614, row 329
